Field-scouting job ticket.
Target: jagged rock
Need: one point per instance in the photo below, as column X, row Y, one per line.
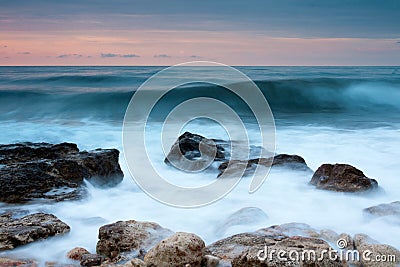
column 77, row 253
column 245, row 249
column 387, row 209
column 180, row 249
column 244, row 216
column 7, row 262
column 42, row 170
column 342, row 178
column 17, row 232
column 372, row 253
column 233, row 167
column 129, row 237
column 91, row 260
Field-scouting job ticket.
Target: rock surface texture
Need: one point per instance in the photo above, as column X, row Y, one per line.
column 30, row 228
column 46, row 171
column 342, row 178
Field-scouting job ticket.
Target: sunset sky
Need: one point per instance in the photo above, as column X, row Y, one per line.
column 166, row 32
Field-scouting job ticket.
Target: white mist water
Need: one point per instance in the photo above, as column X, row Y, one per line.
column 285, row 196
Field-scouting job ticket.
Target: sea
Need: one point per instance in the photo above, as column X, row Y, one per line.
column 324, row 114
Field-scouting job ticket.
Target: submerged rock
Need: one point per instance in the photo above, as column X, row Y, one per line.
column 234, row 167
column 387, row 209
column 342, row 178
column 130, row 237
column 30, row 228
column 41, row 170
column 180, row 249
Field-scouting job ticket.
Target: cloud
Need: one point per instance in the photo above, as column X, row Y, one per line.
column 70, row 56
column 162, row 56
column 130, row 55
column 108, row 55
column 195, row 56
column 24, row 53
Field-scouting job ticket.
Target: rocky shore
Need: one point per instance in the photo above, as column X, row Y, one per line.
column 57, row 172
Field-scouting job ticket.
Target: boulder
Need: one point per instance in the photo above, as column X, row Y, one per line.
column 46, row 171
column 129, row 237
column 260, row 248
column 30, row 228
column 342, row 178
column 373, row 254
column 77, row 253
column 91, row 260
column 234, row 167
column 180, row 249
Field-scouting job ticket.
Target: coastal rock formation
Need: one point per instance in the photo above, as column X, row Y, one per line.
column 77, row 253
column 342, row 178
column 129, row 237
column 386, row 209
column 234, row 167
column 17, row 232
column 91, row 260
column 375, row 254
column 180, row 249
column 8, row 262
column 196, row 148
column 47, row 171
column 258, row 248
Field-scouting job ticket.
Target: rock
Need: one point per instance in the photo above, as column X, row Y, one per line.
column 373, row 254
column 91, row 260
column 296, row 229
column 188, row 146
column 17, row 232
column 7, row 262
column 244, row 216
column 210, row 261
column 129, row 237
column 180, row 249
column 77, row 253
column 389, row 209
column 329, row 236
column 258, row 248
column 342, row 178
column 135, row 263
column 233, row 167
column 41, row 170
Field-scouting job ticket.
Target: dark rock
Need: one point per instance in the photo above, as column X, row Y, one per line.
column 188, row 146
column 91, row 260
column 232, row 167
column 129, row 236
column 17, row 232
column 8, row 262
column 77, row 253
column 42, row 170
column 342, row 178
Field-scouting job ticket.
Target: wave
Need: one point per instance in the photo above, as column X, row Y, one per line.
column 291, row 96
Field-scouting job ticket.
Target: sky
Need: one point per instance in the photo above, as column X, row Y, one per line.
column 167, row 32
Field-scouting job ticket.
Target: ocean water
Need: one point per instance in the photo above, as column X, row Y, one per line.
column 325, row 114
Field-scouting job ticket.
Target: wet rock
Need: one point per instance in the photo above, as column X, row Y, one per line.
column 329, row 236
column 8, row 262
column 188, row 147
column 41, row 170
column 244, row 216
column 255, row 249
column 30, row 228
column 387, row 209
column 234, row 167
column 180, row 249
column 129, row 237
column 296, row 229
column 373, row 254
column 77, row 253
column 210, row 261
column 342, row 178
column 91, row 260
column 135, row 263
